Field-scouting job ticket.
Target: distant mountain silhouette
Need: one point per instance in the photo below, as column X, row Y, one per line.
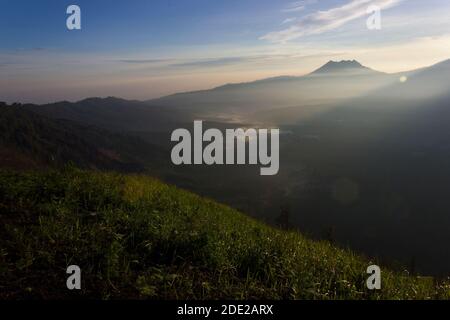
column 344, row 66
column 332, row 82
column 285, row 99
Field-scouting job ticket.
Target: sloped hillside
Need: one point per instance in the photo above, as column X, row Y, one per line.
column 29, row 140
column 134, row 237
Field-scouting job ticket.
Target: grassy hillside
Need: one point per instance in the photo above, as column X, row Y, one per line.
column 134, row 237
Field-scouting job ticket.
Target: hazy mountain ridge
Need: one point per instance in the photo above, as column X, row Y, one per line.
column 109, row 113
column 333, row 83
column 51, row 142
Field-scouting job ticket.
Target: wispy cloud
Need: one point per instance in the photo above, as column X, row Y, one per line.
column 298, row 6
column 206, row 63
column 323, row 21
column 218, row 62
column 294, row 9
column 209, row 62
column 288, row 20
column 265, row 59
column 144, row 61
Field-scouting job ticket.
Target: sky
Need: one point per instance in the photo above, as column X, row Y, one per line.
column 142, row 49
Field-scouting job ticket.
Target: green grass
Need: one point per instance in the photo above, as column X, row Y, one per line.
column 135, row 238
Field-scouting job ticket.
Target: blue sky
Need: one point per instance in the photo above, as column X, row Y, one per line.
column 143, row 49
column 135, row 24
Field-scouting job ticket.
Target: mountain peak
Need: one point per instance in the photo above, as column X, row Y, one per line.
column 344, row 66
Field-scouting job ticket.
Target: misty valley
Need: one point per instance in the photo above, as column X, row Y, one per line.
column 241, row 146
